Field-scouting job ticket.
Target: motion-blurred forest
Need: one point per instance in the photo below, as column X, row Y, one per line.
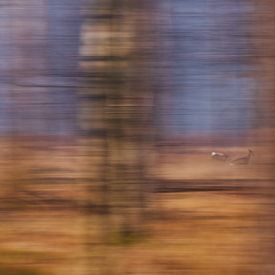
column 137, row 137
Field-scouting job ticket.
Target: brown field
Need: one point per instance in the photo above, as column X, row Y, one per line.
column 205, row 217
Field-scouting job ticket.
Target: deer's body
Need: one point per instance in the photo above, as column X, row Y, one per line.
column 219, row 156
column 243, row 160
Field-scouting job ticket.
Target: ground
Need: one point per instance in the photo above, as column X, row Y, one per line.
column 207, row 217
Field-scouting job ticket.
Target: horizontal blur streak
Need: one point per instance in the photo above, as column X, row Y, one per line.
column 136, row 137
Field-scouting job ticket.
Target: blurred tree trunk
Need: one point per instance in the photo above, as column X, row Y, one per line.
column 117, row 60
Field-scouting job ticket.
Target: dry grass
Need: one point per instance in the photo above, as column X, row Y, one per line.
column 207, row 232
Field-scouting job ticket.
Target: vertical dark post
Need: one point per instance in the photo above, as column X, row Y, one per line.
column 117, row 62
